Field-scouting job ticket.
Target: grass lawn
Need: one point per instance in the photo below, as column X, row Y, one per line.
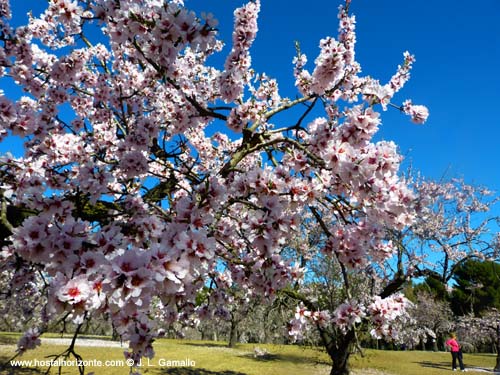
column 420, row 362
column 214, row 358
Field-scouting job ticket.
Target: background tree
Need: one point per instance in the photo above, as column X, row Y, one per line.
column 341, row 303
column 482, row 330
column 434, row 286
column 21, row 315
column 455, row 223
column 453, row 226
column 476, row 287
column 433, row 320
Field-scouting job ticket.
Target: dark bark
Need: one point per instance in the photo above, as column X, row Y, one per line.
column 340, row 364
column 497, row 365
column 233, row 334
column 339, row 349
column 11, row 217
column 204, row 335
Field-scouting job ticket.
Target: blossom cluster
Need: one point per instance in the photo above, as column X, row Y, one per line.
column 30, row 340
column 384, row 312
column 236, row 74
column 385, row 315
column 347, row 315
column 418, row 113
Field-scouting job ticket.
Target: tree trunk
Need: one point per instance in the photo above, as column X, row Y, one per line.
column 497, row 365
column 340, row 364
column 434, row 345
column 339, row 350
column 233, row 334
column 266, row 326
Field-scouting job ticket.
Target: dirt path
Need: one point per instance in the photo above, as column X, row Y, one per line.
column 85, row 342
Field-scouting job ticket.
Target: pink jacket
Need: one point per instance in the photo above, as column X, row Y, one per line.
column 453, row 345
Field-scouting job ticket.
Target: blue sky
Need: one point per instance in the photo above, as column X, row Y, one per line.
column 457, row 47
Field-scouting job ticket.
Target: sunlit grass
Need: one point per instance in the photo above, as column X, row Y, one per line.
column 201, row 358
column 419, row 362
column 214, row 358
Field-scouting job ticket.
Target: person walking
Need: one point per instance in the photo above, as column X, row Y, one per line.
column 456, row 352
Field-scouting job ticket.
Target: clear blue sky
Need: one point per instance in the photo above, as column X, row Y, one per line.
column 457, row 47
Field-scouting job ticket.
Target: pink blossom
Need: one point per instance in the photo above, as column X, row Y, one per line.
column 7, row 110
column 403, row 74
column 418, row 113
column 348, row 314
column 74, row 292
column 30, row 340
column 329, row 66
column 384, row 312
column 238, row 62
column 5, row 9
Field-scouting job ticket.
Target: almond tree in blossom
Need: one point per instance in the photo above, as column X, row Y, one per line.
column 456, row 223
column 433, row 318
column 340, row 301
column 481, row 330
column 150, row 174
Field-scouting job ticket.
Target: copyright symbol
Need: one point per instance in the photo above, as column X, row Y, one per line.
column 130, row 362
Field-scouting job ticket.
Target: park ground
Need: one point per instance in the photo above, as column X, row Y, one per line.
column 214, row 358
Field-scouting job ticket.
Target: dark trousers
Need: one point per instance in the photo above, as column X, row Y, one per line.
column 455, row 356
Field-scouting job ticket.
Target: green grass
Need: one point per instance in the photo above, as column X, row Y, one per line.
column 419, row 362
column 210, row 358
column 214, row 358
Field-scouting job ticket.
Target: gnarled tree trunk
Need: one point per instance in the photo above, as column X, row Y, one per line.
column 338, row 348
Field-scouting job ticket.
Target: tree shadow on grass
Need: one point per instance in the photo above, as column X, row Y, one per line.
column 206, row 344
column 440, row 365
column 8, row 340
column 482, row 354
column 291, row 358
column 447, row 366
column 7, row 369
column 196, row 371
